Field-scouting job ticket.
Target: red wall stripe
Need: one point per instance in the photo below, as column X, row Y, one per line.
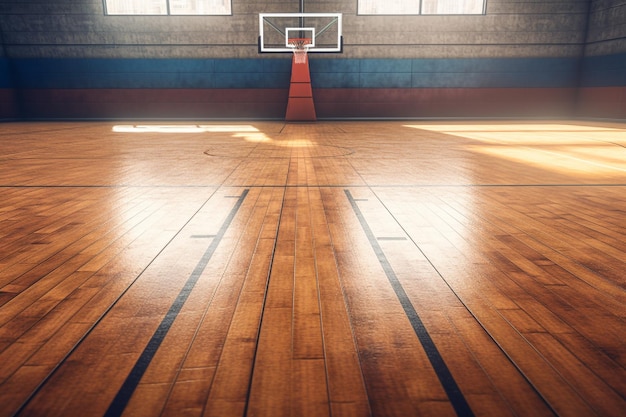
column 602, row 102
column 271, row 103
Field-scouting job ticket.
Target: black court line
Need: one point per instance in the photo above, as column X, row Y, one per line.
column 128, row 388
column 446, row 379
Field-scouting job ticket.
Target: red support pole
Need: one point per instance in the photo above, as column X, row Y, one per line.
column 300, row 106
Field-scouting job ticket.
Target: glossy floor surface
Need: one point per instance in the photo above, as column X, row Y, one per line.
column 332, row 268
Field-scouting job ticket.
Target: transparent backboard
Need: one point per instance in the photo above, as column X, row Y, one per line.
column 324, row 30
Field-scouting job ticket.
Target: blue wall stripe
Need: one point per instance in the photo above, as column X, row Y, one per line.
column 445, row 73
column 604, row 71
column 152, row 73
column 5, row 74
column 325, row 73
column 332, row 66
column 386, row 66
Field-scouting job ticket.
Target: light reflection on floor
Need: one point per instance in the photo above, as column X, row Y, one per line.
column 556, row 147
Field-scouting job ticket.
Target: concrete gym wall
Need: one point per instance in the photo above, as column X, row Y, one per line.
column 520, row 59
column 72, row 61
column 69, row 60
column 603, row 84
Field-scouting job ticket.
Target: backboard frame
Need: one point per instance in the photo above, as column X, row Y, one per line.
column 334, row 18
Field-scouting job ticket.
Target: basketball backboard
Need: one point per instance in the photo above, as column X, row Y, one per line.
column 323, row 29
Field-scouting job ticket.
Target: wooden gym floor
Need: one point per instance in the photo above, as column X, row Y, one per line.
column 333, row 268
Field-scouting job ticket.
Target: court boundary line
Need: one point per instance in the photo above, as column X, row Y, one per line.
column 123, row 396
column 456, row 397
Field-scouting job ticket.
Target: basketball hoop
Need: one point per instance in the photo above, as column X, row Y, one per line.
column 300, row 48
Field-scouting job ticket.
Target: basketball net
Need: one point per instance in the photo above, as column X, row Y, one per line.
column 300, row 49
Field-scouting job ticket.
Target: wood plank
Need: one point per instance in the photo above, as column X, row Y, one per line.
column 271, row 388
column 346, row 387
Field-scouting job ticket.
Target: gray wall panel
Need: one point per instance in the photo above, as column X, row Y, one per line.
column 538, row 7
column 75, row 28
column 607, row 27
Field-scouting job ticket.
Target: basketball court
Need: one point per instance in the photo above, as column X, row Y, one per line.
column 329, row 268
column 307, row 265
